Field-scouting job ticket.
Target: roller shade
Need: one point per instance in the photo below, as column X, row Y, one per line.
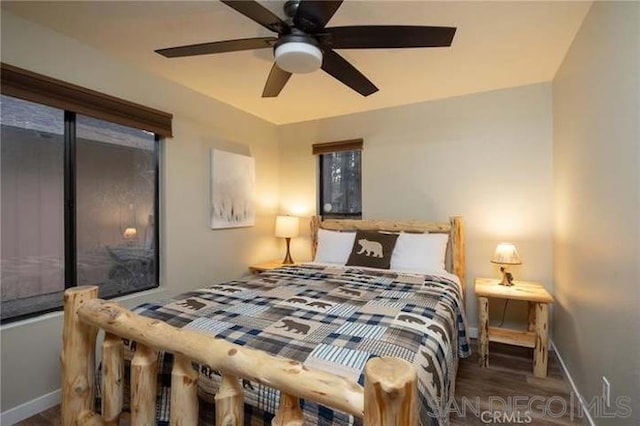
column 38, row 88
column 346, row 145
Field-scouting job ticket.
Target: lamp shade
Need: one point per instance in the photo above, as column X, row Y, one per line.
column 287, row 226
column 506, row 254
column 130, row 233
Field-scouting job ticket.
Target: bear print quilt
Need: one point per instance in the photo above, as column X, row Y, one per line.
column 330, row 318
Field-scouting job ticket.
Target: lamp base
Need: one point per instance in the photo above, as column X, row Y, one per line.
column 287, row 258
column 507, row 278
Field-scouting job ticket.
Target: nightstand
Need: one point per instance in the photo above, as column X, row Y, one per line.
column 266, row 266
column 537, row 334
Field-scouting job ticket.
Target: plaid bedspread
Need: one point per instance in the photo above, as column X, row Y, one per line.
column 330, row 318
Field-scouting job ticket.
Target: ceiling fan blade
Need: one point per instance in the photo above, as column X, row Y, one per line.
column 312, row 16
column 218, row 47
column 338, row 67
column 275, row 82
column 263, row 16
column 388, row 36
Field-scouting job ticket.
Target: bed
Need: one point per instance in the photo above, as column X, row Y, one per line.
column 345, row 345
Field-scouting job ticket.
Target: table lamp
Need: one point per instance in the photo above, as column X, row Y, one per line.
column 287, row 228
column 130, row 235
column 505, row 255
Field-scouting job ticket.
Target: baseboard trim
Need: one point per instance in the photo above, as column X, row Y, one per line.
column 30, row 408
column 574, row 389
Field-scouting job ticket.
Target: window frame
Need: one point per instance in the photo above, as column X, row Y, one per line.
column 321, row 195
column 70, row 214
column 73, row 99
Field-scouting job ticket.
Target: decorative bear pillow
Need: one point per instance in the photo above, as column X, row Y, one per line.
column 372, row 249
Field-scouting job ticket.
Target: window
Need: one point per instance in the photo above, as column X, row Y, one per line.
column 79, row 197
column 340, row 192
column 32, row 193
column 110, row 241
column 115, row 207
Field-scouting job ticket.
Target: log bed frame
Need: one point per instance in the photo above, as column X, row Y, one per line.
column 388, row 397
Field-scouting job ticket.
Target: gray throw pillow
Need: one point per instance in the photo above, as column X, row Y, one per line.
column 372, row 249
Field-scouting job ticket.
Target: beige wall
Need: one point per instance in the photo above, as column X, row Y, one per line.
column 486, row 157
column 489, row 157
column 192, row 254
column 596, row 152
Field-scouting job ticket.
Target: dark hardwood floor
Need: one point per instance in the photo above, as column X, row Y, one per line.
column 483, row 392
column 509, row 380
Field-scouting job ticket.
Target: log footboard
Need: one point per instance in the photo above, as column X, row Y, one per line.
column 388, row 398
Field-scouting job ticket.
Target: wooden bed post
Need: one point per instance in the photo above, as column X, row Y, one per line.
column 315, row 225
column 230, row 402
column 144, row 370
column 89, row 418
column 78, row 356
column 184, row 392
column 112, row 378
column 390, row 393
column 289, row 412
column 457, row 252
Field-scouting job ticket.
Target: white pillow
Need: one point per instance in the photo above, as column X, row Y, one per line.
column 420, row 252
column 334, row 247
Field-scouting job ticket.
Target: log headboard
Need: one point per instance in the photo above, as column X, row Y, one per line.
column 455, row 248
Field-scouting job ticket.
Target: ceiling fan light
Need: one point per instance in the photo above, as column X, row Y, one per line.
column 298, row 57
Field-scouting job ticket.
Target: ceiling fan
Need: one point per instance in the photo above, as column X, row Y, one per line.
column 304, row 44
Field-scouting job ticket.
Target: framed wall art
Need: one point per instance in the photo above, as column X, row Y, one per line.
column 232, row 182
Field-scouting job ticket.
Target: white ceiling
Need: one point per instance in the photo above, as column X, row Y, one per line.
column 497, row 45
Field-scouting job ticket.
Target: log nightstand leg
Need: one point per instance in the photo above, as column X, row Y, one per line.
column 531, row 316
column 541, row 351
column 483, row 331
